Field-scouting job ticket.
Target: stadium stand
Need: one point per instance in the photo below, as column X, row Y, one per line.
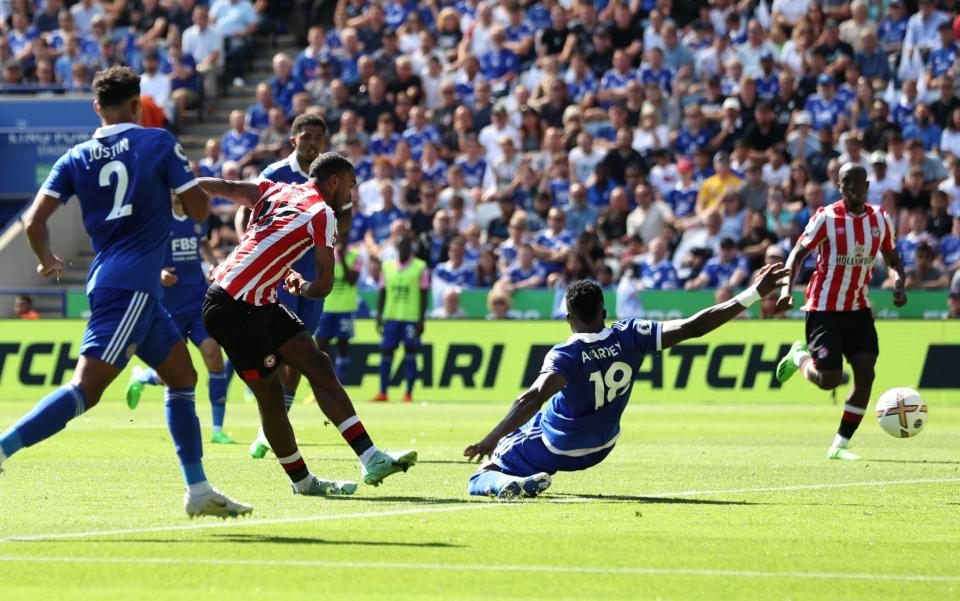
column 654, row 144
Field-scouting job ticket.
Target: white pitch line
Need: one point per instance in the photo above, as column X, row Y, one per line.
column 479, row 567
column 464, row 507
column 247, row 522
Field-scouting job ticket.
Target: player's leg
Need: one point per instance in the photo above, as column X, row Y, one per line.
column 392, row 333
column 819, row 359
column 216, row 387
column 861, row 348
column 301, row 352
column 102, row 357
column 520, row 466
column 147, row 376
column 165, row 350
column 244, row 333
column 411, row 348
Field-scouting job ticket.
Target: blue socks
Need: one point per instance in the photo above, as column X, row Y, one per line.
column 288, row 398
column 488, row 483
column 409, row 370
column 149, row 376
column 217, row 386
column 342, row 366
column 185, row 431
column 385, row 362
column 48, row 417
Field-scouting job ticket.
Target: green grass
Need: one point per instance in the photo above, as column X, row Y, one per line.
column 666, row 516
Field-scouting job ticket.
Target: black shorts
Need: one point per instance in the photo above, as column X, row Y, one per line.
column 250, row 335
column 833, row 335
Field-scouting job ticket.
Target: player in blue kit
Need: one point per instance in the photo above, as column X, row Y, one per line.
column 123, row 178
column 184, row 287
column 308, row 135
column 586, row 383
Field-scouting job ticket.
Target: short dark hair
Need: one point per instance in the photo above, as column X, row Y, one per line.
column 115, row 86
column 585, row 300
column 327, row 164
column 308, row 120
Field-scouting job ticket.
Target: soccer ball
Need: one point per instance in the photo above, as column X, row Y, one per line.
column 901, row 412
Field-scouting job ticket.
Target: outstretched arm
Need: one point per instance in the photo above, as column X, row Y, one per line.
column 708, row 320
column 243, row 193
column 524, row 408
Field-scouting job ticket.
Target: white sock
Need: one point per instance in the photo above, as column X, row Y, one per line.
column 200, row 488
column 800, row 357
column 304, row 484
column 261, row 437
column 840, row 441
column 367, row 455
column 218, row 429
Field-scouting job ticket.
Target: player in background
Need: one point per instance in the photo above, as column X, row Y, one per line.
column 336, row 322
column 258, row 333
column 308, row 135
column 184, row 287
column 401, row 307
column 123, row 178
column 586, row 382
column 847, row 235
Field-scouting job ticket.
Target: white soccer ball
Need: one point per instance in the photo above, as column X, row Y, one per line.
column 901, row 412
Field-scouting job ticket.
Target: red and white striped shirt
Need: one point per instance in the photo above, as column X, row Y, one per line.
column 848, row 246
column 288, row 220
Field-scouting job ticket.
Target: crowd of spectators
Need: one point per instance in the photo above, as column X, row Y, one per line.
column 647, row 144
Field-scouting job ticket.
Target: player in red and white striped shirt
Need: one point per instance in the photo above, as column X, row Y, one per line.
column 241, row 312
column 847, row 236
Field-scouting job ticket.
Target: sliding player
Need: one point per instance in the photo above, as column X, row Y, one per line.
column 123, row 178
column 242, row 313
column 847, row 236
column 308, row 135
column 587, row 381
column 184, row 286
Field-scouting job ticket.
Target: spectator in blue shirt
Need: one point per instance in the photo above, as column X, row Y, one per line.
column 893, row 29
column 238, row 144
column 455, row 271
column 943, row 60
column 924, row 128
column 826, row 109
column 579, row 213
column 728, row 268
column 284, row 84
column 613, row 84
column 525, row 272
column 379, row 222
column 694, row 134
column 420, row 133
column 552, row 244
column 236, row 21
column 499, row 66
column 653, row 71
column 257, row 118
column 384, row 141
column 872, row 60
column 655, row 270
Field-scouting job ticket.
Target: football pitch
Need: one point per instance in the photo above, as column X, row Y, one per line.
column 697, row 501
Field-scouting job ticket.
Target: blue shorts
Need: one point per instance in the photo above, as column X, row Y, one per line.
column 124, row 323
column 335, row 325
column 190, row 326
column 306, row 309
column 523, row 453
column 395, row 332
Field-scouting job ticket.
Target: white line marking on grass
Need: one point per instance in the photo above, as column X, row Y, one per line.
column 789, row 488
column 444, row 509
column 247, row 522
column 477, row 567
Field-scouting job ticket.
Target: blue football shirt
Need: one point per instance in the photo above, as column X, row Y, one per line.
column 183, row 254
column 584, row 417
column 123, row 178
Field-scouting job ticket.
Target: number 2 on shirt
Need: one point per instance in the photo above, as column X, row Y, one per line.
column 614, row 382
column 119, row 209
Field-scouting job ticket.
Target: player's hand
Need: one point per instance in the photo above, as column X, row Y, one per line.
column 481, row 449
column 770, row 277
column 168, row 276
column 294, row 282
column 52, row 266
column 899, row 295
